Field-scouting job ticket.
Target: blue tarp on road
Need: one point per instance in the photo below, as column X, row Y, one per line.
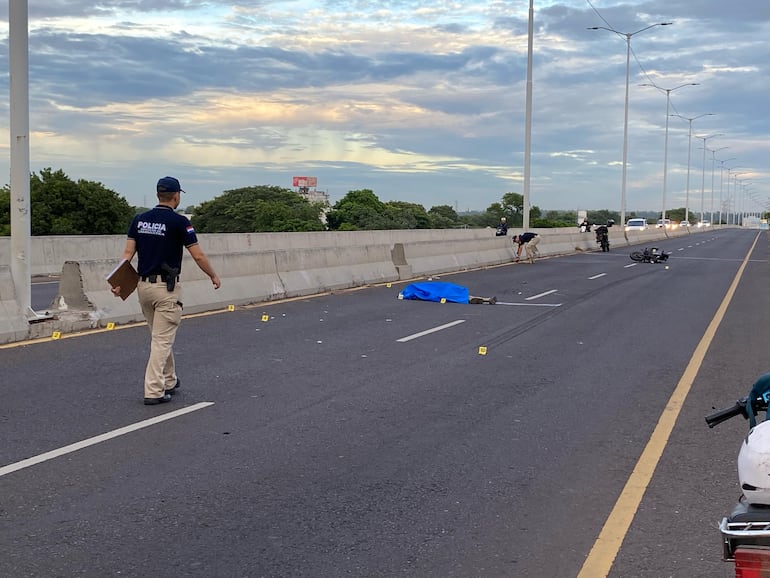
column 436, row 291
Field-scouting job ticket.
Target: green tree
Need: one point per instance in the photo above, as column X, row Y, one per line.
column 257, row 209
column 552, row 219
column 512, row 208
column 676, row 215
column 603, row 216
column 443, row 217
column 5, row 211
column 61, row 206
column 513, row 204
column 473, row 219
column 403, row 215
column 358, row 210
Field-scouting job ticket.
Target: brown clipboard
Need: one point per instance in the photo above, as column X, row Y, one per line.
column 124, row 276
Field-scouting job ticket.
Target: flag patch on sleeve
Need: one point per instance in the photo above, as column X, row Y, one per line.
column 190, row 229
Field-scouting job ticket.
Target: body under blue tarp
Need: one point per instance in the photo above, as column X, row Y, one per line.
column 436, row 291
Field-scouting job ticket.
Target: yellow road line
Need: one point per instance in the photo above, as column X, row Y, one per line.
column 605, row 549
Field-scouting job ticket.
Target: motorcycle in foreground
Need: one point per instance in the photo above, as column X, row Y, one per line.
column 746, row 532
column 650, row 255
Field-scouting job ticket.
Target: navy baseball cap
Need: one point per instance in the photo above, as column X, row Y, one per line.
column 169, row 185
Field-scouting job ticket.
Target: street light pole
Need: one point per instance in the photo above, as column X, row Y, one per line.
column 744, row 184
column 703, row 178
column 730, row 200
column 627, row 36
column 722, row 184
column 668, row 92
column 528, row 121
column 737, row 199
column 713, row 164
column 689, row 152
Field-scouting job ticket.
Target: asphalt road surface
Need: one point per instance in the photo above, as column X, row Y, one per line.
column 356, row 434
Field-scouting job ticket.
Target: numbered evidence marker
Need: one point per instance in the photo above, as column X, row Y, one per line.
column 231, row 307
column 265, row 317
column 110, row 326
column 482, row 350
column 443, row 300
column 56, row 335
column 389, row 285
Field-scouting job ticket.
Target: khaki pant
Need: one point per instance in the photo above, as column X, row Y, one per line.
column 531, row 248
column 163, row 312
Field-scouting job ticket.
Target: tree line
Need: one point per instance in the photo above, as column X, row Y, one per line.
column 62, row 206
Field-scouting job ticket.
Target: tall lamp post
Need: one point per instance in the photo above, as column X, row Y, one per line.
column 744, row 185
column 689, row 152
column 722, row 184
column 730, row 200
column 713, row 164
column 668, row 92
column 627, row 36
column 736, row 197
column 703, row 178
column 528, row 120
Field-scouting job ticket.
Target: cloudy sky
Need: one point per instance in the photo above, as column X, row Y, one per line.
column 420, row 101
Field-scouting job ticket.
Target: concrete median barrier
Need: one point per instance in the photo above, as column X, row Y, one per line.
column 433, row 257
column 246, row 278
column 13, row 325
column 308, row 271
column 261, row 267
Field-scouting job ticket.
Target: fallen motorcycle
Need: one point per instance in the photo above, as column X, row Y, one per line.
column 650, row 255
column 746, row 532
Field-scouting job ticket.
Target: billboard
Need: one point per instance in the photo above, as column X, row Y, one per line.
column 304, row 181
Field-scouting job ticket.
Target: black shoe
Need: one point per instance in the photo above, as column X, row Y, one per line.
column 156, row 400
column 172, row 390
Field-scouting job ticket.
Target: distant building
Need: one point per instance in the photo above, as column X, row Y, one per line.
column 314, row 195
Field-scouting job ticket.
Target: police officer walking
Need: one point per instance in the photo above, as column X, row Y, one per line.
column 159, row 235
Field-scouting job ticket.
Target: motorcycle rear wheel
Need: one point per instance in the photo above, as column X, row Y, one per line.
column 637, row 256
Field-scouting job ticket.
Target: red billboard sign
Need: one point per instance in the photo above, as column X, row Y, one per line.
column 305, row 181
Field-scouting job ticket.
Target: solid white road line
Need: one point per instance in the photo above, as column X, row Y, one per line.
column 429, row 331
column 10, row 468
column 531, row 304
column 538, row 296
column 629, row 265
column 597, row 276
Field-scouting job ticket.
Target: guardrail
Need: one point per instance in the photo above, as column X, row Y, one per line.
column 263, row 267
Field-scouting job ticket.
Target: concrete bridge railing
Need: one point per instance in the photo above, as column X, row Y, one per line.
column 262, row 267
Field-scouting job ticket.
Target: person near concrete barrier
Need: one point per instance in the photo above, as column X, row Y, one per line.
column 502, row 228
column 159, row 236
column 585, row 226
column 528, row 241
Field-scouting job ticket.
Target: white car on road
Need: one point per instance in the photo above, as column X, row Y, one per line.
column 636, row 225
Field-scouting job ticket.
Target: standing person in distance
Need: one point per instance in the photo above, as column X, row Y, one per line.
column 530, row 240
column 502, row 228
column 159, row 235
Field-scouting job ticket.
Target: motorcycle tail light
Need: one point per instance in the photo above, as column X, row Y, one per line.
column 752, row 562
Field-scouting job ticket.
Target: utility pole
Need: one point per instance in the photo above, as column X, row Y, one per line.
column 21, row 245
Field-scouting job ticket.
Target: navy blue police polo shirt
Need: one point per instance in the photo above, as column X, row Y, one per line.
column 161, row 234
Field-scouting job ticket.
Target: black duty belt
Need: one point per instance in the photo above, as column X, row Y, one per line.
column 156, row 277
